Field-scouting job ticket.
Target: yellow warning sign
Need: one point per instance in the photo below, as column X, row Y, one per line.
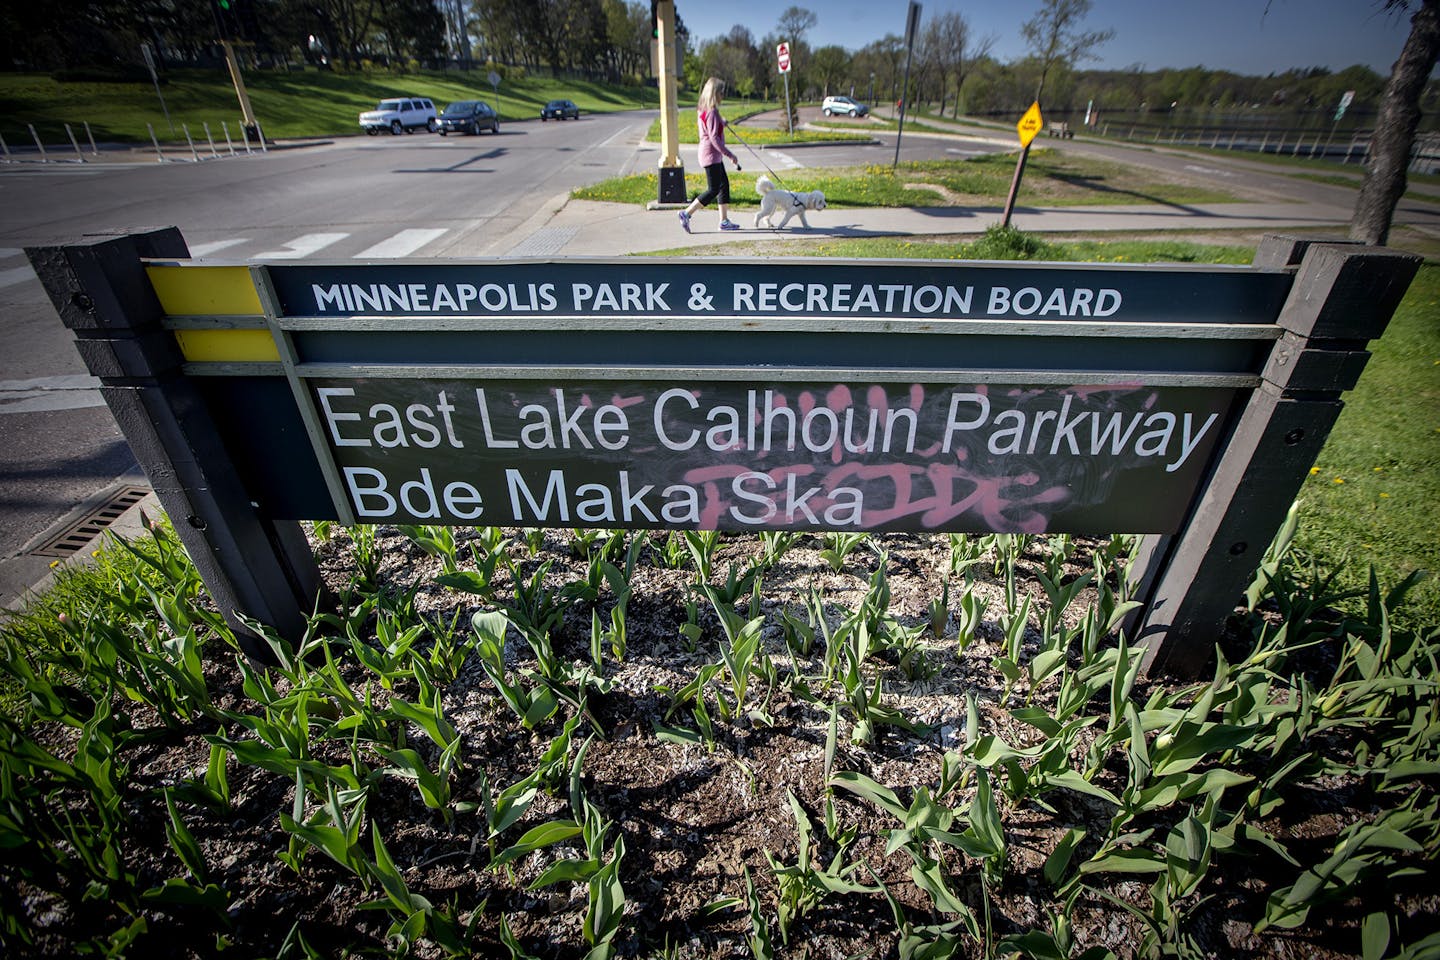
column 1030, row 124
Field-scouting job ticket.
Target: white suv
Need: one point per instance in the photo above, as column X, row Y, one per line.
column 834, row 105
column 406, row 115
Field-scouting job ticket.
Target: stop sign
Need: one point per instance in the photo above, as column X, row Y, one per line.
column 782, row 54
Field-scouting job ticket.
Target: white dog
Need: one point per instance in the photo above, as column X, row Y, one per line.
column 773, row 200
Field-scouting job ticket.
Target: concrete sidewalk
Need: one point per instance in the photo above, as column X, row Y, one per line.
column 585, row 228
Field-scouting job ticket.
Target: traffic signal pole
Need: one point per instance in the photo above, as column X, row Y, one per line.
column 672, row 171
column 247, row 113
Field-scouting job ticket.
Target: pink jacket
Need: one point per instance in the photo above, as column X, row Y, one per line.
column 712, row 138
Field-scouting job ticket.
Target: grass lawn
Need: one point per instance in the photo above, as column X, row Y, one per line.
column 300, row 103
column 1052, row 178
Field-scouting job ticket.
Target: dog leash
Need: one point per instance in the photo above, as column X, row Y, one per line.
column 779, row 181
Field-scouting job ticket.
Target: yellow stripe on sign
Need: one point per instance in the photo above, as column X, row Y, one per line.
column 227, row 345
column 197, row 291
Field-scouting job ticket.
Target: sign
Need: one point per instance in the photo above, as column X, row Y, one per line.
column 1345, row 100
column 1030, row 124
column 852, row 454
column 782, row 55
column 852, row 396
column 494, row 79
column 748, row 395
column 912, row 22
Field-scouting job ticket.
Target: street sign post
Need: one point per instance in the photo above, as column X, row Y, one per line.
column 782, row 58
column 494, row 79
column 1346, row 99
column 912, row 27
column 1028, row 128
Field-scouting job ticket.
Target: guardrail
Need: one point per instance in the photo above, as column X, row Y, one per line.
column 211, row 149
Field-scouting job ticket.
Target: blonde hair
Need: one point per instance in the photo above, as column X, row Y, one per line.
column 711, row 94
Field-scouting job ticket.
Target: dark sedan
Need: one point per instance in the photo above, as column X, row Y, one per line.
column 560, row 110
column 469, row 116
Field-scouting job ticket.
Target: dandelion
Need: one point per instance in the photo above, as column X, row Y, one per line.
column 1339, row 479
column 54, row 564
column 1314, row 470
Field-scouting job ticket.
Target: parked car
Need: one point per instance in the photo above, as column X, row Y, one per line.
column 400, row 115
column 834, row 105
column 469, row 116
column 560, row 109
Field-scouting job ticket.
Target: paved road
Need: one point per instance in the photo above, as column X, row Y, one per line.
column 359, row 197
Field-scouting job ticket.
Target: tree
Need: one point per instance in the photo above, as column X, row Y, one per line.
column 1384, row 182
column 795, row 22
column 829, row 65
column 1055, row 36
column 954, row 48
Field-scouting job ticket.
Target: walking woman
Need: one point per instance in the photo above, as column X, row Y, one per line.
column 712, row 156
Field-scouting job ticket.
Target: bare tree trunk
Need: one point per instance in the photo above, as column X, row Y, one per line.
column 1395, row 128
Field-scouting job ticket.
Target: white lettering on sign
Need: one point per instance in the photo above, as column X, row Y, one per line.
column 1146, row 434
column 388, row 427
column 833, row 455
column 648, row 298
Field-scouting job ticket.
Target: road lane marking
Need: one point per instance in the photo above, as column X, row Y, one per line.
column 41, row 394
column 8, row 278
column 302, row 246
column 784, row 161
column 402, row 244
column 206, row 249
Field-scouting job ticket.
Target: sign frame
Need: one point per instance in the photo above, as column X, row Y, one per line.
column 203, row 364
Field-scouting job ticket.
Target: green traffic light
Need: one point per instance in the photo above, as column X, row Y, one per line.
column 224, row 4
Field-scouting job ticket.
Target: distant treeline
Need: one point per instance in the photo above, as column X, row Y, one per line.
column 611, row 40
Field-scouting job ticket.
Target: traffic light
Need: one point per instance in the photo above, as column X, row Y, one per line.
column 654, row 20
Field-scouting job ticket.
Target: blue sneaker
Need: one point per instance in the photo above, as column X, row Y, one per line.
column 729, row 225
column 685, row 220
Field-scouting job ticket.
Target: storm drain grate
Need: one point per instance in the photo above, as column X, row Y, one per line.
column 73, row 538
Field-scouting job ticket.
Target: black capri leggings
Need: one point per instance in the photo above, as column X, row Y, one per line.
column 717, row 184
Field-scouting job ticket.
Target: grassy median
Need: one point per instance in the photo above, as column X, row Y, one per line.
column 1052, row 178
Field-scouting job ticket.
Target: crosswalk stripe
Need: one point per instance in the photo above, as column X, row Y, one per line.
column 302, row 246
column 8, row 278
column 784, row 161
column 402, row 244
column 206, row 249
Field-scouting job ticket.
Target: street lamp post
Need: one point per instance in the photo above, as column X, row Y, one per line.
column 872, row 91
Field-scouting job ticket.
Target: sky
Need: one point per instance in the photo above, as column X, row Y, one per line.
column 1237, row 35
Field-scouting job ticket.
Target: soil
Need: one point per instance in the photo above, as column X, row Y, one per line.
column 694, row 819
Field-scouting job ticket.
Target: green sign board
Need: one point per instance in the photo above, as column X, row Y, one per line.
column 831, row 455
column 724, row 394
